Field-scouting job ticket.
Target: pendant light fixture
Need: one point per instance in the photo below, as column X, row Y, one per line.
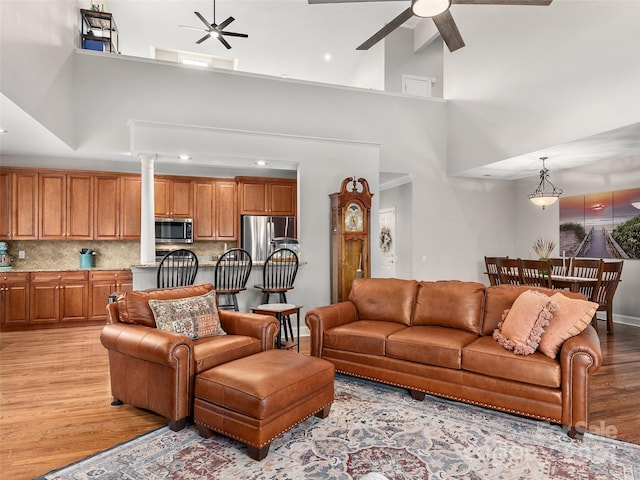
column 546, row 194
column 429, row 8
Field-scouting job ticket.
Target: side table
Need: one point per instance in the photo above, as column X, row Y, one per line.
column 281, row 311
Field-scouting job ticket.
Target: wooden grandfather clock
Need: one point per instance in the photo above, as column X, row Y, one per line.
column 350, row 218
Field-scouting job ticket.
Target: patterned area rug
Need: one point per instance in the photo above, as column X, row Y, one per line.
column 375, row 432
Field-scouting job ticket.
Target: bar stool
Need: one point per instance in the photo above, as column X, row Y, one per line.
column 279, row 273
column 231, row 275
column 282, row 312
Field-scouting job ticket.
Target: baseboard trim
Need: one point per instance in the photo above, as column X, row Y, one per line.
column 623, row 319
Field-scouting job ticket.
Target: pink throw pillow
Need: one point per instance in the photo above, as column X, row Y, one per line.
column 523, row 324
column 571, row 318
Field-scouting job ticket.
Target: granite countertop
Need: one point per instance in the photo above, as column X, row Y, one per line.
column 94, row 269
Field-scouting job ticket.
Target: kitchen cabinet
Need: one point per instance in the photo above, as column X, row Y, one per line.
column 58, row 297
column 117, row 207
column 19, row 209
column 103, row 283
column 173, row 197
column 215, row 210
column 66, row 206
column 267, row 196
column 14, row 298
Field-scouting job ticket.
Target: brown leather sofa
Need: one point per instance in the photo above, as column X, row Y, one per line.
column 436, row 338
column 156, row 369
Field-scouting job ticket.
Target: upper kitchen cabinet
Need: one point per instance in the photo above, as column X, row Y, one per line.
column 18, row 204
column 215, row 210
column 173, row 197
column 66, row 206
column 117, row 207
column 266, row 196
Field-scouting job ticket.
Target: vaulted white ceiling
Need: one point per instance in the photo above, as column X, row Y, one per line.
column 294, row 39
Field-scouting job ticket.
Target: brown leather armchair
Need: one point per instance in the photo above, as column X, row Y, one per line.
column 155, row 369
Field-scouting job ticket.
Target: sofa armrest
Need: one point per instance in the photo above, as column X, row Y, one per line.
column 145, row 343
column 580, row 357
column 263, row 327
column 323, row 318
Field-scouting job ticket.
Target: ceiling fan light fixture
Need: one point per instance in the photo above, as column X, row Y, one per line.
column 429, row 8
column 546, row 194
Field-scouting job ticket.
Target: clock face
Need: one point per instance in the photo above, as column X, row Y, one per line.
column 353, row 218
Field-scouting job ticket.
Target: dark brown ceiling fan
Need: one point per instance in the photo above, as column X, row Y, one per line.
column 438, row 10
column 215, row 30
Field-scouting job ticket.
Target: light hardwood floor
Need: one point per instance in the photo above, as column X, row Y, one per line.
column 55, row 397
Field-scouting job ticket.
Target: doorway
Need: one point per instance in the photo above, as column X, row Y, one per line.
column 387, row 242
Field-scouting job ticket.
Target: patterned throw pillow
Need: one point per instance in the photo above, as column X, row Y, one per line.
column 195, row 317
column 524, row 323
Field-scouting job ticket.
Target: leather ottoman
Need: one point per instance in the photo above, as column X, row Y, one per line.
column 257, row 398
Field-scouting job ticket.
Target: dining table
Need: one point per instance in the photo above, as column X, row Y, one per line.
column 572, row 283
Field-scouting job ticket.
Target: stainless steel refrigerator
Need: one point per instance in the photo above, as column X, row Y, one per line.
column 259, row 230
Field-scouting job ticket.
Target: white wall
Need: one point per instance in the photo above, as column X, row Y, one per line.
column 534, row 77
column 37, row 40
column 532, row 222
column 400, row 58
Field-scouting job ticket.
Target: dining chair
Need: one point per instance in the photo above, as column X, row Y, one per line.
column 278, row 275
column 536, row 273
column 586, row 268
column 559, row 266
column 492, row 270
column 509, row 270
column 605, row 289
column 178, row 268
column 230, row 276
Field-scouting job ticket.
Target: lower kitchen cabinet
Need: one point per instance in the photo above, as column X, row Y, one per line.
column 58, row 298
column 102, row 284
column 14, row 299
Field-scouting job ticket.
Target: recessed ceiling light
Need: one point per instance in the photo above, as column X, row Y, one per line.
column 184, row 157
column 262, row 163
column 327, row 57
column 2, row 130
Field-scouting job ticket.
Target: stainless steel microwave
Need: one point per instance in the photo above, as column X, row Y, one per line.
column 174, row 230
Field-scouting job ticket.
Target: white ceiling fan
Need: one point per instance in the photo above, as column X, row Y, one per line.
column 215, row 30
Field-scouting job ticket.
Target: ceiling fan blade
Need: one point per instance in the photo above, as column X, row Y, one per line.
column 224, row 42
column 224, row 24
column 449, row 31
column 203, row 20
column 311, row 2
column 234, row 34
column 208, row 35
column 541, row 3
column 386, row 30
column 194, row 28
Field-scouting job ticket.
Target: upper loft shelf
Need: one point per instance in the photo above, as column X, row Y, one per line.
column 99, row 31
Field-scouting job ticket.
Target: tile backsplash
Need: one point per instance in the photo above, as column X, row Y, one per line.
column 65, row 254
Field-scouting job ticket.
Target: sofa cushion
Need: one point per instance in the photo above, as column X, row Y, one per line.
column 387, row 299
column 524, row 322
column 571, row 318
column 487, row 357
column 437, row 346
column 133, row 307
column 450, row 303
column 196, row 317
column 499, row 298
column 362, row 336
